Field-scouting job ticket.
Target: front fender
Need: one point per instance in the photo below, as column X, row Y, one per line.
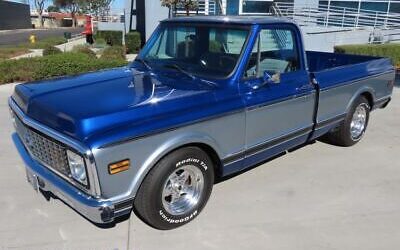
column 168, row 146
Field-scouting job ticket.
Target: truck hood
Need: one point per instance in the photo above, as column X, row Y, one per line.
column 96, row 103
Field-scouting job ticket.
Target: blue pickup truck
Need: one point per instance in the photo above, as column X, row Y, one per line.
column 206, row 97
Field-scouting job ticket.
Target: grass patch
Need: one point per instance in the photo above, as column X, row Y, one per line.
column 6, row 53
column 38, row 68
column 113, row 53
column 382, row 50
column 45, row 42
column 85, row 49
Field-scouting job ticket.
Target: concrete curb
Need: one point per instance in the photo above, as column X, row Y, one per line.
column 65, row 47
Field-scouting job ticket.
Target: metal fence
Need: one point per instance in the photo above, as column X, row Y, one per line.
column 205, row 7
column 329, row 15
column 111, row 18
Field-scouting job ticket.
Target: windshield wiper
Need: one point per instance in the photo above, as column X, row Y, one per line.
column 144, row 62
column 179, row 68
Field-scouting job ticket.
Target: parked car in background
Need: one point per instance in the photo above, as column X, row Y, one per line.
column 205, row 98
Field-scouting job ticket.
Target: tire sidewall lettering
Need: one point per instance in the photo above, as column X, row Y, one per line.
column 171, row 220
column 185, row 218
column 192, row 160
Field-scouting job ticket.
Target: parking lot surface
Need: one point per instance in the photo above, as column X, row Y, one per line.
column 318, row 197
column 14, row 37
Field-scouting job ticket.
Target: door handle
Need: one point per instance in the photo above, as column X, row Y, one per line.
column 304, row 87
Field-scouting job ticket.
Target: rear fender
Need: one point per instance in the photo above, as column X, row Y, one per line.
column 358, row 93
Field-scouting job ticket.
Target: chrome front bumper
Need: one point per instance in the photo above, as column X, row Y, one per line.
column 97, row 210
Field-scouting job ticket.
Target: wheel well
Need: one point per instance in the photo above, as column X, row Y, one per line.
column 212, row 154
column 369, row 98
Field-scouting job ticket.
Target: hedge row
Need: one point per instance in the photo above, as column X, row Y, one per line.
column 132, row 42
column 384, row 50
column 111, row 37
column 114, row 38
column 28, row 69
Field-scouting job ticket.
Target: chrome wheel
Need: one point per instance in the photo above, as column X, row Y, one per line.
column 182, row 190
column 358, row 122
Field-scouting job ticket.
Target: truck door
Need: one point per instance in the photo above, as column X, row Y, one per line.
column 278, row 94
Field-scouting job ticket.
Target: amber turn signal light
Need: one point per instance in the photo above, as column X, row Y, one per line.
column 117, row 167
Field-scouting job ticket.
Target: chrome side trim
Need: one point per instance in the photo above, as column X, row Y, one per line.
column 232, row 112
column 282, row 99
column 94, row 189
column 330, row 121
column 172, row 128
column 266, row 145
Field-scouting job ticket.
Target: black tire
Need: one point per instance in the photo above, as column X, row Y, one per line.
column 148, row 203
column 342, row 136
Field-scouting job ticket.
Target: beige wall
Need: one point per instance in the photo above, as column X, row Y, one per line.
column 48, row 23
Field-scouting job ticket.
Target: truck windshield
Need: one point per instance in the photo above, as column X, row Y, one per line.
column 210, row 51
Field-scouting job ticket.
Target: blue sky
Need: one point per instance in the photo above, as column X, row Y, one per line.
column 118, row 4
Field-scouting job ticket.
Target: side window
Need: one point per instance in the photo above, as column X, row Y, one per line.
column 275, row 51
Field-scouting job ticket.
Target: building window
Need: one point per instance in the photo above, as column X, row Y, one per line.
column 374, row 6
column 256, row 7
column 395, row 7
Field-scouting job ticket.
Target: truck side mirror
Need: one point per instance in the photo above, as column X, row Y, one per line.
column 267, row 77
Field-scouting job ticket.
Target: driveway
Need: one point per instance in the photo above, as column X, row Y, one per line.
column 318, row 197
column 14, row 37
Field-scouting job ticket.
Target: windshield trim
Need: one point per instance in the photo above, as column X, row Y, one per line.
column 154, row 36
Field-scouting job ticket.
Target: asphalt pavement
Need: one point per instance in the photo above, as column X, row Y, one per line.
column 14, row 37
column 318, row 197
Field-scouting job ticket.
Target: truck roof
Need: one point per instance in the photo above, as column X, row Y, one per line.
column 246, row 20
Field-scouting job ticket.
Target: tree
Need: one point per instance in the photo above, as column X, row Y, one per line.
column 171, row 5
column 94, row 7
column 39, row 5
column 188, row 5
column 71, row 6
column 53, row 8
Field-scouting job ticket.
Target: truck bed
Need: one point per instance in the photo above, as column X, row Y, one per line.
column 331, row 69
column 342, row 77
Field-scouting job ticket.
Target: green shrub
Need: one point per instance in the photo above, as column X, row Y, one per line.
column 113, row 53
column 38, row 68
column 111, row 37
column 391, row 50
column 133, row 42
column 99, row 43
column 51, row 50
column 83, row 49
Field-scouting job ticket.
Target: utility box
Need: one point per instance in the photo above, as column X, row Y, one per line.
column 144, row 16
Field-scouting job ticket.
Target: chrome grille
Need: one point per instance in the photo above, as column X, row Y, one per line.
column 45, row 150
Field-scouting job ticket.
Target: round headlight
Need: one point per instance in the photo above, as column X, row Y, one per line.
column 77, row 167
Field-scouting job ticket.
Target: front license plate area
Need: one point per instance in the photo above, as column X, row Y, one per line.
column 32, row 179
